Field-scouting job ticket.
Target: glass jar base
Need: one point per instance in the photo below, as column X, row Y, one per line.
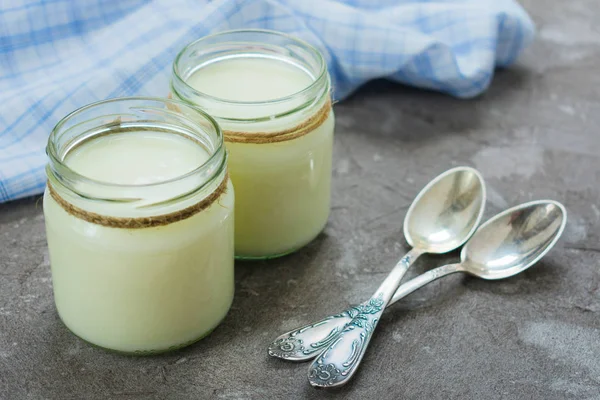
column 143, row 353
column 268, row 257
column 242, row 257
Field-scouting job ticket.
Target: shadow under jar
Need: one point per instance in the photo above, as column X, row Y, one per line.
column 139, row 221
column 270, row 94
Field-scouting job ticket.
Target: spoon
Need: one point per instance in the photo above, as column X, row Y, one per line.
column 441, row 218
column 504, row 246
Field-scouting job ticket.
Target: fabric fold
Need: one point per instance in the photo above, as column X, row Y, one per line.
column 56, row 56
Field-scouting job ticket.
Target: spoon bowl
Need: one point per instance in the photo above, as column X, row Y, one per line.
column 505, row 245
column 446, row 212
column 514, row 240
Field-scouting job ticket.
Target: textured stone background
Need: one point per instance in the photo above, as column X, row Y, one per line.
column 535, row 134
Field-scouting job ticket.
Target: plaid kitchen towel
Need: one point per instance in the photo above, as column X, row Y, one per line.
column 58, row 55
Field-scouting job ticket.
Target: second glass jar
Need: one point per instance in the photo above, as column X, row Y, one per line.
column 270, row 93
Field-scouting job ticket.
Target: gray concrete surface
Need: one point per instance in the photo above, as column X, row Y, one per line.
column 535, row 134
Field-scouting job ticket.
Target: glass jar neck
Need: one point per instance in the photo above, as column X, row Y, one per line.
column 122, row 116
column 253, row 44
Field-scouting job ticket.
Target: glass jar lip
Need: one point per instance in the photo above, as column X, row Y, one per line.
column 52, row 152
column 313, row 50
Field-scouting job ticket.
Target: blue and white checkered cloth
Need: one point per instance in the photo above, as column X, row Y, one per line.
column 58, row 55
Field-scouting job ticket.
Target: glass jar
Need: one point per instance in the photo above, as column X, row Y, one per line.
column 270, row 94
column 139, row 222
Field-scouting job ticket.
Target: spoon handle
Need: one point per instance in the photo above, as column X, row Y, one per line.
column 423, row 279
column 306, row 342
column 340, row 360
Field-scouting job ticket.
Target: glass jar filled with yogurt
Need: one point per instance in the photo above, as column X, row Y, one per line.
column 270, row 93
column 139, row 221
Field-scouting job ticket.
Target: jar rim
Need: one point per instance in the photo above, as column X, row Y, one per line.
column 57, row 161
column 322, row 73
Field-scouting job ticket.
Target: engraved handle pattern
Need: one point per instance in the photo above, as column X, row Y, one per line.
column 338, row 363
column 305, row 343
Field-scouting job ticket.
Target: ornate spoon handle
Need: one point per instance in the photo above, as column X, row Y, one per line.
column 305, row 343
column 338, row 363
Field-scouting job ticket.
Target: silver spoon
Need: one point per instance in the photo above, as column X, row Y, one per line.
column 504, row 246
column 441, row 218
